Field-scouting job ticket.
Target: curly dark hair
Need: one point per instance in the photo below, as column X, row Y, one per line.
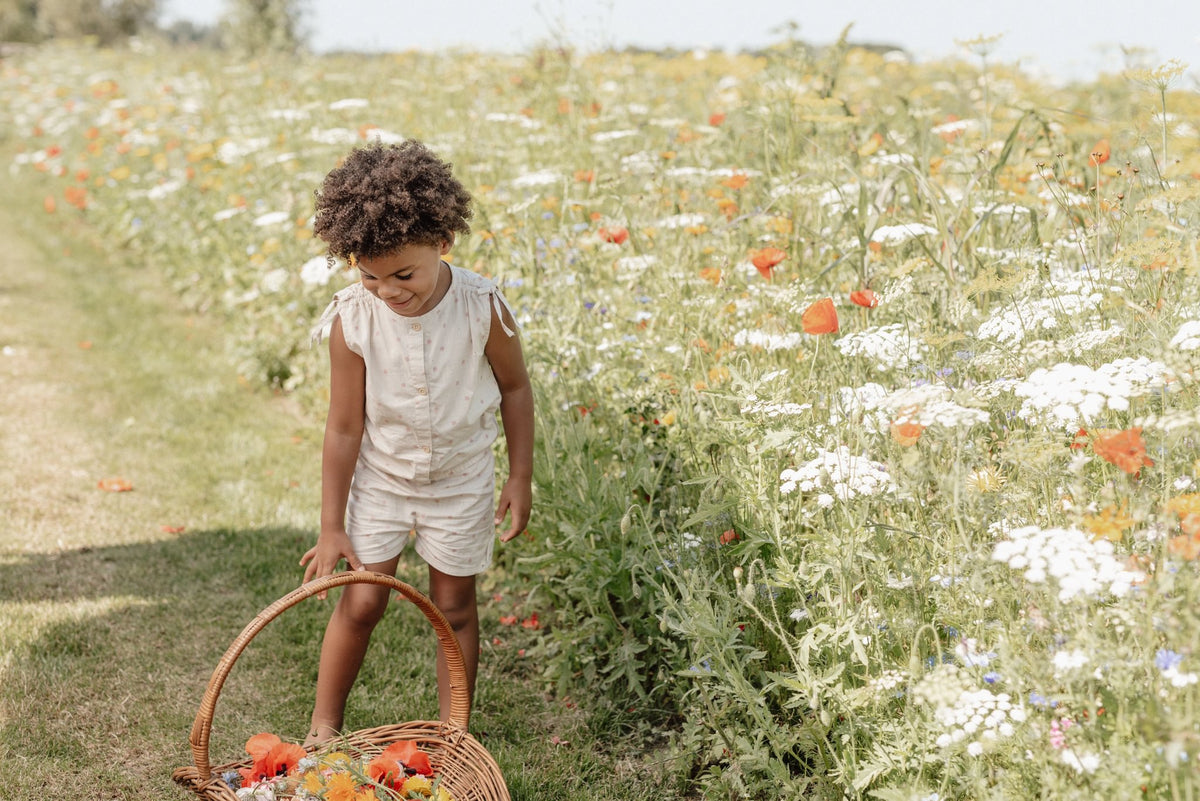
column 386, row 197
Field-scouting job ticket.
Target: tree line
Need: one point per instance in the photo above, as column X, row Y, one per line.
column 247, row 26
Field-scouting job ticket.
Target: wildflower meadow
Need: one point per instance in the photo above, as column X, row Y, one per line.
column 867, row 394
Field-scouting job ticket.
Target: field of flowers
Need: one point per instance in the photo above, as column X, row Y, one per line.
column 868, row 413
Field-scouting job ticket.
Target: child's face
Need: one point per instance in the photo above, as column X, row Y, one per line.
column 407, row 280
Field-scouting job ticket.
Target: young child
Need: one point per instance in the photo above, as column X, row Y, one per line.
column 422, row 354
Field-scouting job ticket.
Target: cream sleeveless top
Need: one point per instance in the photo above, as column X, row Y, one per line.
column 431, row 397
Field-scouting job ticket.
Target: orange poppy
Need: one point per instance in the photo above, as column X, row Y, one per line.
column 906, row 433
column 865, row 298
column 764, row 260
column 391, row 767
column 283, row 759
column 341, row 787
column 114, row 485
column 820, row 318
column 736, row 181
column 1100, row 153
column 272, row 757
column 1125, row 449
column 1185, row 546
column 716, row 118
column 76, row 196
column 49, row 204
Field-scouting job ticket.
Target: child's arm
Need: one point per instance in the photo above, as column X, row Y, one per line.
column 343, row 437
column 516, row 412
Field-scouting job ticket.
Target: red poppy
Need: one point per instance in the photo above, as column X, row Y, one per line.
column 1100, row 153
column 114, row 485
column 508, row 620
column 764, row 260
column 716, row 118
column 1080, row 440
column 728, row 536
column 1126, row 449
column 906, row 433
column 865, row 298
column 272, row 757
column 820, row 318
column 615, row 235
column 393, row 765
column 531, row 622
column 283, row 759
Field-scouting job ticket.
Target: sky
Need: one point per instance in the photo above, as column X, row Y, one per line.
column 1063, row 38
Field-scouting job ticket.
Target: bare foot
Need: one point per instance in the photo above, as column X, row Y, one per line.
column 319, row 735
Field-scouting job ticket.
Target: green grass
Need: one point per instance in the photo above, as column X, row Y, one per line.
column 111, row 622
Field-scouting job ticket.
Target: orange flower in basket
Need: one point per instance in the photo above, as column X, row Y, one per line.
column 258, row 745
column 391, row 767
column 1126, row 449
column 272, row 757
column 820, row 318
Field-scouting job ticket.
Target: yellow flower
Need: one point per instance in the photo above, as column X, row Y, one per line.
column 1110, row 524
column 1184, row 505
column 313, row 782
column 416, row 784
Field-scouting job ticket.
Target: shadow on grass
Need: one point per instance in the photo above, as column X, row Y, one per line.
column 108, row 672
column 121, row 642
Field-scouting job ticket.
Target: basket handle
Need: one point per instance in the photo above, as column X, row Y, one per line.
column 460, row 702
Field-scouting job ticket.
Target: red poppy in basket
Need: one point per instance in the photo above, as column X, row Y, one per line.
column 272, row 757
column 399, row 759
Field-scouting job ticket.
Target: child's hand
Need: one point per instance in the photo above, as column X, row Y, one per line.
column 322, row 559
column 515, row 499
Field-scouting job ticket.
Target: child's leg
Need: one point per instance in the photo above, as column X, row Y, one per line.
column 454, row 596
column 347, row 635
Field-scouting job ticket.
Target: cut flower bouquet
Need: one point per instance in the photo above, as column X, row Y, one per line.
column 280, row 770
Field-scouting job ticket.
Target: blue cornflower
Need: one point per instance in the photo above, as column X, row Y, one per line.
column 1166, row 660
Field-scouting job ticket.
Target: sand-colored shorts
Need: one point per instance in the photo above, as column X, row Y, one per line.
column 454, row 517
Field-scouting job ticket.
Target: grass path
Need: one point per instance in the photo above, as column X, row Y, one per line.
column 116, row 606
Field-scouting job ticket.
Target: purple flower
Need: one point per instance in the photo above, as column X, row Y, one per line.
column 1166, row 660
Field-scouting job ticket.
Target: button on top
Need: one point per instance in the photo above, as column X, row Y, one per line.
column 416, row 326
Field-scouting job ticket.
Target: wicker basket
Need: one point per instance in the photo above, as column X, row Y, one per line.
column 467, row 770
